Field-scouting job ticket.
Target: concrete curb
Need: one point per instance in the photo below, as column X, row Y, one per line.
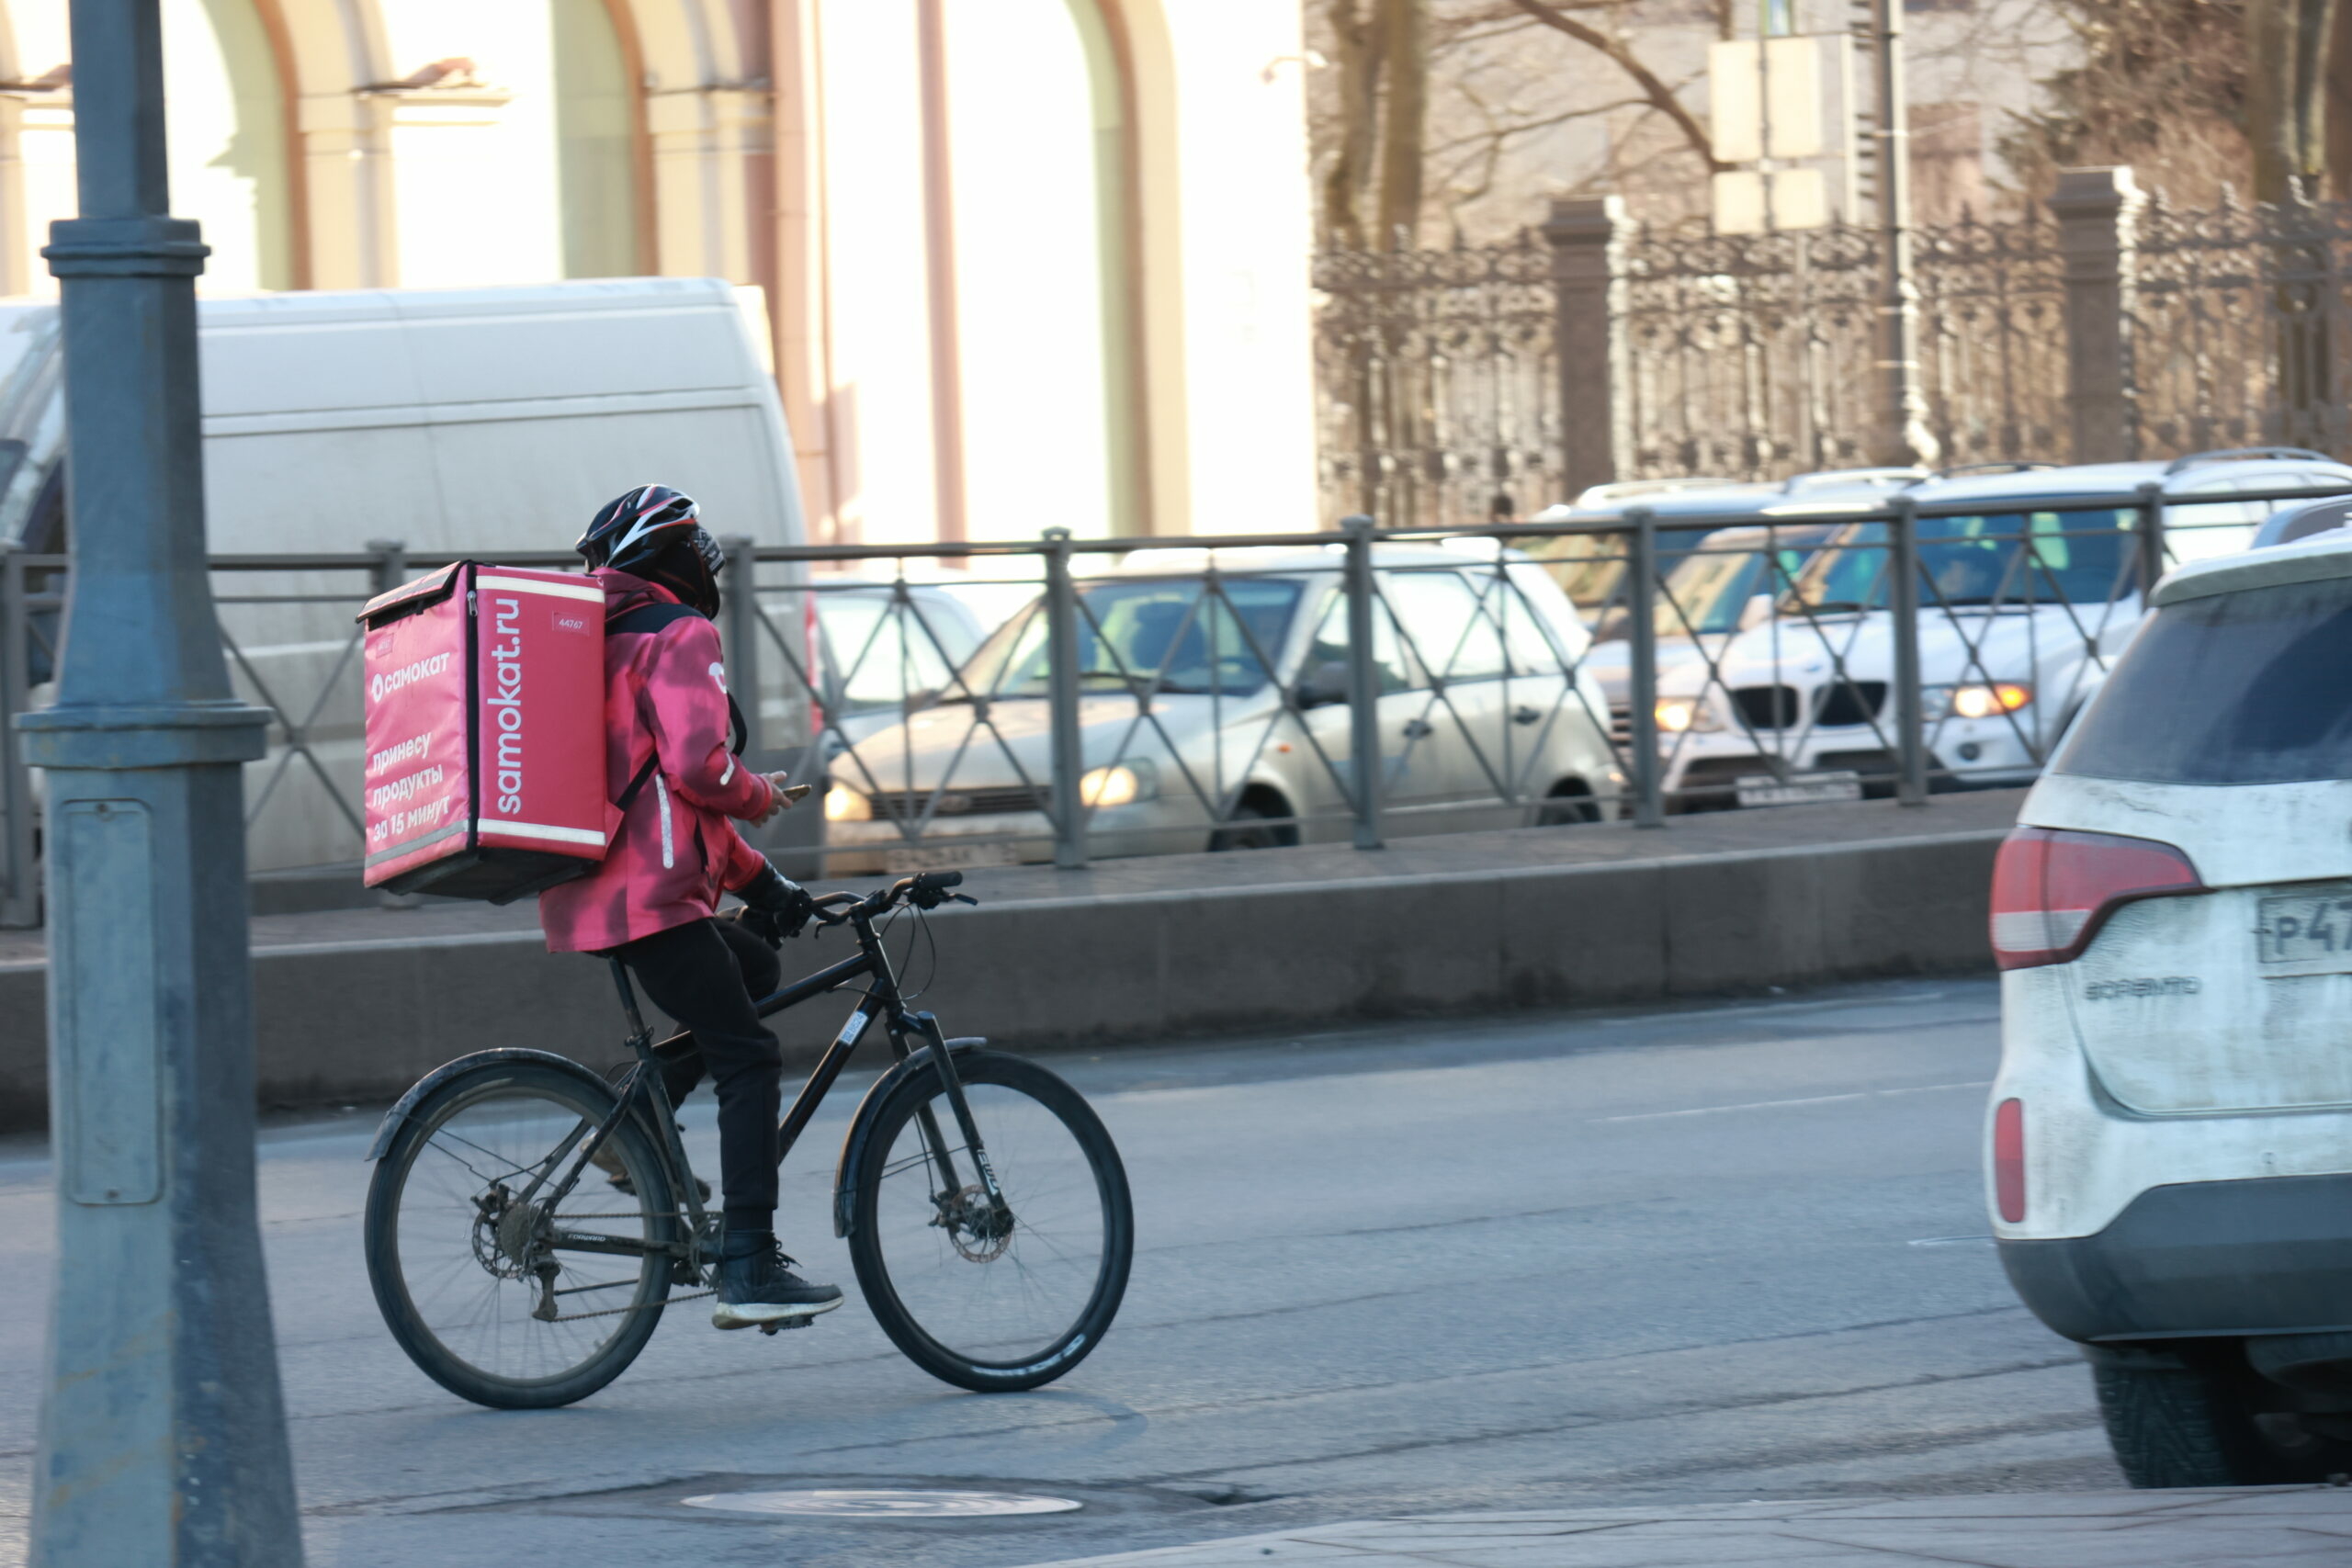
column 343, row 1022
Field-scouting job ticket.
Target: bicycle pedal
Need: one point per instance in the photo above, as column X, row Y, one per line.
column 783, row 1322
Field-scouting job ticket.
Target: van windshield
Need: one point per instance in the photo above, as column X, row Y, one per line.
column 2237, row 689
column 1169, row 627
column 2008, row 558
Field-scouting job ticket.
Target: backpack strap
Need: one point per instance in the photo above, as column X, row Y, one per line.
column 636, row 785
column 648, row 618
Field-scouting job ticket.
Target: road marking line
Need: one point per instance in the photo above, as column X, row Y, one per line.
column 1778, row 1104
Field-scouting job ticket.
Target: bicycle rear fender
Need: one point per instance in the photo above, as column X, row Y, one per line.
column 861, row 1126
column 398, row 1114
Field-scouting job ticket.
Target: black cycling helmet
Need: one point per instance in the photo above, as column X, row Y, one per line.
column 654, row 531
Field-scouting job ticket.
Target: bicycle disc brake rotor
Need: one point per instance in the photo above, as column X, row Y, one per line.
column 975, row 1227
column 504, row 1232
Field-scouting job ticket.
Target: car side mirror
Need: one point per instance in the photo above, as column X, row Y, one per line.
column 1756, row 612
column 1323, row 685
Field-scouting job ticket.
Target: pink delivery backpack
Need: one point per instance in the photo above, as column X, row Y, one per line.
column 484, row 691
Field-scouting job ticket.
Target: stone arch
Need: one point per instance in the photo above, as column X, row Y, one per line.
column 1130, row 59
column 15, row 252
column 336, row 68
column 707, row 150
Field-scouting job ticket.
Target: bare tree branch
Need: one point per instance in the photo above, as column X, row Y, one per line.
column 1661, row 96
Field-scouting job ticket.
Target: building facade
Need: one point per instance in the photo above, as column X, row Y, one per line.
column 1024, row 262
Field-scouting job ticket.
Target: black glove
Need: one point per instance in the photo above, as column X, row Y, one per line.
column 774, row 907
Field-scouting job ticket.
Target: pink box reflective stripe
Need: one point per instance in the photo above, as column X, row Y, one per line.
column 484, row 693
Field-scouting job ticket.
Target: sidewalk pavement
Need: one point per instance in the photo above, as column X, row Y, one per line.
column 2279, row 1527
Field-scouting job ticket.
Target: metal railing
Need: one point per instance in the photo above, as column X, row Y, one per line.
column 1157, row 695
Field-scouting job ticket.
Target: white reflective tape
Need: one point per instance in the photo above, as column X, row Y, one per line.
column 2037, row 930
column 541, row 831
column 587, row 591
column 669, row 852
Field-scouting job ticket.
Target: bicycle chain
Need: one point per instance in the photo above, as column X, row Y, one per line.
column 615, row 1312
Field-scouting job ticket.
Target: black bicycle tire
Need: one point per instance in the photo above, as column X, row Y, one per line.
column 380, row 1227
column 1077, row 1342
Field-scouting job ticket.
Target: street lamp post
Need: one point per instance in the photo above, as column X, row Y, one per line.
column 1902, row 414
column 162, row 1434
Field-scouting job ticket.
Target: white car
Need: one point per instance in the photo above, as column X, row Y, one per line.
column 1725, row 584
column 1218, row 720
column 2169, row 1142
column 2022, row 608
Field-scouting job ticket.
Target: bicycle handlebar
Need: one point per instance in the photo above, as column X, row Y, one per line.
column 927, row 891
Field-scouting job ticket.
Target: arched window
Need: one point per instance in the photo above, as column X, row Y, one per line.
column 597, row 141
column 227, row 115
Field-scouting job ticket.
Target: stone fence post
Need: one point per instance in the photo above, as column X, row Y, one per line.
column 1588, row 237
column 2097, row 212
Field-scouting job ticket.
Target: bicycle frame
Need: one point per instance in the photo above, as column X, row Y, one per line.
column 644, row 1086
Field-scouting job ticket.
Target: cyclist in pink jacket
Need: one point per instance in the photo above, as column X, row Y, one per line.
column 672, row 740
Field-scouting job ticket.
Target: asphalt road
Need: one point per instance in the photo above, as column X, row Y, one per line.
column 1723, row 1253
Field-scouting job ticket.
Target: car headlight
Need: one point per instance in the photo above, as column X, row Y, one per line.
column 1121, row 785
column 1982, row 700
column 842, row 804
column 1676, row 714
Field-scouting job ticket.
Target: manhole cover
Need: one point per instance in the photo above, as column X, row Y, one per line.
column 879, row 1503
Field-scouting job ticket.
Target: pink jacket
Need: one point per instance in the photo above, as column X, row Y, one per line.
column 665, row 696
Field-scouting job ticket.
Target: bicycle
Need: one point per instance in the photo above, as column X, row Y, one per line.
column 995, row 1264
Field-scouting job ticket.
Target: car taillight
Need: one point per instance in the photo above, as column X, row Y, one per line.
column 2052, row 888
column 2008, row 1160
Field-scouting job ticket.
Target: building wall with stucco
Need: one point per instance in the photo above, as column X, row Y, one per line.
column 1025, row 264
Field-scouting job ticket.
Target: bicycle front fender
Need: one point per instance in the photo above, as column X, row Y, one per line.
column 406, row 1106
column 861, row 1126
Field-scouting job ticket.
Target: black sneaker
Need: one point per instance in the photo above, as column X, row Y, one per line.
column 761, row 1289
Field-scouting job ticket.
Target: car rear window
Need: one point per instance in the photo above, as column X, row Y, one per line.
column 2236, row 689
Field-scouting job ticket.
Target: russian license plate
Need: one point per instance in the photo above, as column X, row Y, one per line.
column 2306, row 933
column 947, row 857
column 1798, row 789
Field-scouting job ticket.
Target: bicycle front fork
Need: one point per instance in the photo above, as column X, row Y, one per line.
column 951, row 1084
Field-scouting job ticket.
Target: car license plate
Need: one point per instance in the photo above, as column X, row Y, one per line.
column 947, row 857
column 1798, row 789
column 2306, row 933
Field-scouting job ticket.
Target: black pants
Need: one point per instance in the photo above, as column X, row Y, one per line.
column 704, row 974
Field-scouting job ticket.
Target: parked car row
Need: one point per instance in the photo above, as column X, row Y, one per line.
column 1776, row 645
column 1214, row 714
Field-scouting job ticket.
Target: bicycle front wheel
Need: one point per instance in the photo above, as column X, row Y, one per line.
column 990, row 1301
column 508, row 1299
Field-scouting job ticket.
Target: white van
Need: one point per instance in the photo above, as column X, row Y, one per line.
column 478, row 421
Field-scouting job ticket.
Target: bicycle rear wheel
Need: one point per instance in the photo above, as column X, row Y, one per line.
column 983, row 1302
column 463, row 1268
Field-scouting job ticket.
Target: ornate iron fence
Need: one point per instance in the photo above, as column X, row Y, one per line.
column 1459, row 384
column 1993, row 340
column 1440, row 381
column 2240, row 330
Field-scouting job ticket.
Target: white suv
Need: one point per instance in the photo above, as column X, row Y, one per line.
column 2170, row 1136
column 2022, row 606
